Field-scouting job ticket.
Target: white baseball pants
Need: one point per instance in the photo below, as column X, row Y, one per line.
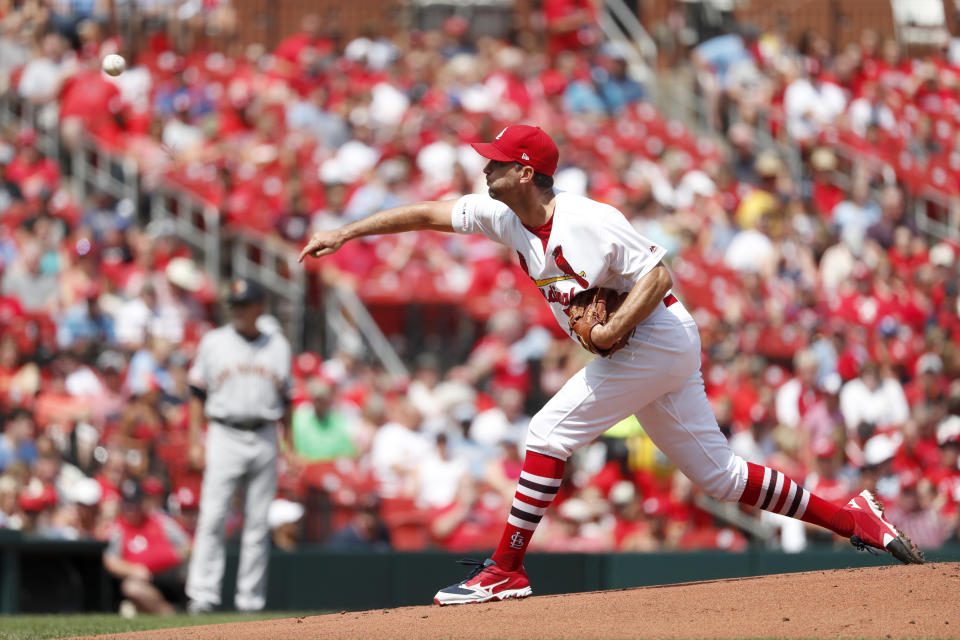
column 234, row 458
column 657, row 377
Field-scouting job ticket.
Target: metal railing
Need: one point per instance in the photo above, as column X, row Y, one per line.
column 934, row 212
column 274, row 265
column 933, row 225
column 621, row 26
column 19, row 113
column 94, row 169
column 348, row 319
column 197, row 224
column 731, row 513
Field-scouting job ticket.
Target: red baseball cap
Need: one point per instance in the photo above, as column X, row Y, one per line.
column 529, row 146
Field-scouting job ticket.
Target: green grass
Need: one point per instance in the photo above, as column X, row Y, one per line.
column 38, row 627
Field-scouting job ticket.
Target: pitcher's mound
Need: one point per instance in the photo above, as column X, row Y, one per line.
column 876, row 602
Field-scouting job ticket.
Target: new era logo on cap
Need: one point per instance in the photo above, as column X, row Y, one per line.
column 524, row 144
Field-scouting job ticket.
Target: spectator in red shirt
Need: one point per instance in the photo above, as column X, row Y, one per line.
column 571, row 25
column 825, row 478
column 146, row 553
column 89, row 104
column 301, row 48
column 33, row 173
column 825, row 194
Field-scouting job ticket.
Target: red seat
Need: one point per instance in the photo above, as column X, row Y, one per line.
column 408, row 526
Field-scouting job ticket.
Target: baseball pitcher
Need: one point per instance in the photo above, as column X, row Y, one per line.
column 606, row 284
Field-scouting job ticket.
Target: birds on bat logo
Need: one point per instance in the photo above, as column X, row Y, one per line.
column 565, row 267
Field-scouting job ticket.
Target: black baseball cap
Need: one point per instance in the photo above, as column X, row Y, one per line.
column 245, row 291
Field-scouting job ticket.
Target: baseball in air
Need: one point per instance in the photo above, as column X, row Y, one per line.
column 113, row 64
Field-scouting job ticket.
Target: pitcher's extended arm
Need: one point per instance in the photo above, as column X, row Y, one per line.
column 433, row 216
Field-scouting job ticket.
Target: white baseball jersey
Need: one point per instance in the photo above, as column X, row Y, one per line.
column 591, row 244
column 244, row 379
column 656, row 376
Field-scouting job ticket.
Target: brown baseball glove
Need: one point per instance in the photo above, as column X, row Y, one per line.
column 590, row 308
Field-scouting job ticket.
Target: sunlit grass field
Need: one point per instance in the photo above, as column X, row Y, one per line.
column 37, row 627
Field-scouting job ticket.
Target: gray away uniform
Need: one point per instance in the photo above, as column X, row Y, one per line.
column 247, row 385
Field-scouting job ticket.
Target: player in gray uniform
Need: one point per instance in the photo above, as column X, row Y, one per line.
column 240, row 381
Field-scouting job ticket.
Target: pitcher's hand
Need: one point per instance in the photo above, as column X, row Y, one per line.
column 322, row 243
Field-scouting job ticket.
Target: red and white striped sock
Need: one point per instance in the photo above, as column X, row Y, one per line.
column 538, row 485
column 771, row 490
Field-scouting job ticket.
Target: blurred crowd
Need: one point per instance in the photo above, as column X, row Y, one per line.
column 830, row 323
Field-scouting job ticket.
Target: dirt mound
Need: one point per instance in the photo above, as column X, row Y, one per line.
column 876, row 602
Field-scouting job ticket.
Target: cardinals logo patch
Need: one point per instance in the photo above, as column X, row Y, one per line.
column 568, row 271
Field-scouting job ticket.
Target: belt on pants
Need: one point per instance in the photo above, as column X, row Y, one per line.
column 249, row 424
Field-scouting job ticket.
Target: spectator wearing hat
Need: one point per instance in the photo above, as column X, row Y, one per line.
column 86, row 494
column 761, row 200
column 284, row 519
column 186, row 500
column 877, row 473
column 320, row 430
column 37, row 501
column 146, row 552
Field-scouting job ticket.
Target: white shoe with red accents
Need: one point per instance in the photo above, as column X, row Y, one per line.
column 871, row 529
column 486, row 582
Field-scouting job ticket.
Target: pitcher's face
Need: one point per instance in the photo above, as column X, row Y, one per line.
column 502, row 177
